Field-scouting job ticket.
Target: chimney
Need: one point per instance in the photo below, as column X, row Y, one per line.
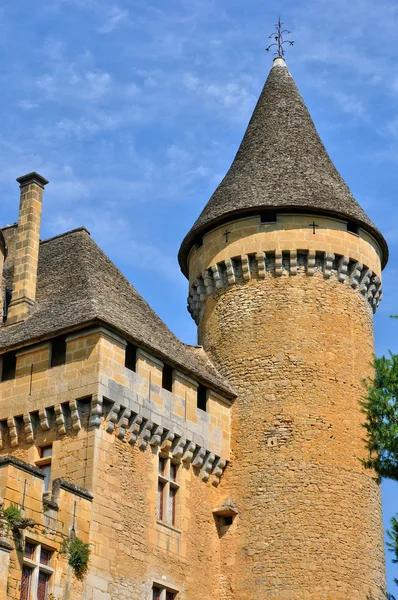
column 3, row 256
column 26, row 247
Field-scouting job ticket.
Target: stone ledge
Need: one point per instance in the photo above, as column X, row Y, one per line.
column 72, row 488
column 5, row 545
column 21, row 465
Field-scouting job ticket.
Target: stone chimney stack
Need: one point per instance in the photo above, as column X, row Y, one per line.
column 27, row 247
column 3, row 256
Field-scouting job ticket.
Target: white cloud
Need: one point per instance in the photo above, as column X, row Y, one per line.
column 69, row 80
column 115, row 17
column 27, row 104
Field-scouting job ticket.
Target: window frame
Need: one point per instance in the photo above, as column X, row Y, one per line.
column 163, row 592
column 45, row 461
column 37, row 567
column 169, row 485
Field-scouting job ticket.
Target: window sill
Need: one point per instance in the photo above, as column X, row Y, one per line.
column 167, row 526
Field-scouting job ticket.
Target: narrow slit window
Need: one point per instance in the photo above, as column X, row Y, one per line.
column 167, row 378
column 130, row 360
column 202, row 397
column 9, row 366
column 160, row 509
column 167, row 494
column 44, row 463
column 58, row 351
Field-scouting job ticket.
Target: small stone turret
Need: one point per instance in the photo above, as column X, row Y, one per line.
column 27, row 247
column 284, row 270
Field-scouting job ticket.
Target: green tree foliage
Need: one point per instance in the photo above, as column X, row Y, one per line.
column 392, row 545
column 381, row 410
column 381, row 424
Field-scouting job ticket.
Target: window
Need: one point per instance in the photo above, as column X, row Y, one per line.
column 269, row 216
column 58, row 351
column 44, row 463
column 352, row 227
column 167, row 378
column 161, row 593
column 36, row 572
column 130, row 357
column 168, row 487
column 202, row 397
column 9, row 366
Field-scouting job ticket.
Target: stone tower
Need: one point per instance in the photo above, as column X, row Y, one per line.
column 284, row 271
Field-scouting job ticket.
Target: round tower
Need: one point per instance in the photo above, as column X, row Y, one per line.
column 284, row 271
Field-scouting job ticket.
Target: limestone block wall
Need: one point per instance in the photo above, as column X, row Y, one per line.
column 133, row 548
column 108, row 425
column 309, row 523
column 67, row 508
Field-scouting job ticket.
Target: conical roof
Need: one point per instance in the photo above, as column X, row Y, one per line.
column 281, row 164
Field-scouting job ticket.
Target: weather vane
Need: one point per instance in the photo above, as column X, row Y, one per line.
column 279, row 41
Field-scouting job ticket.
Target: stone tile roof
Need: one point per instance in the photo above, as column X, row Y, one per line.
column 79, row 285
column 281, row 164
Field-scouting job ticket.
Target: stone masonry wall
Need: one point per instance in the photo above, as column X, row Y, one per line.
column 107, row 426
column 132, row 548
column 309, row 523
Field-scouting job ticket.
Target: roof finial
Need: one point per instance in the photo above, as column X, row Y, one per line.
column 279, row 41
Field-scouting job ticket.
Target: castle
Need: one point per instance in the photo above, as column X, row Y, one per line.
column 224, row 471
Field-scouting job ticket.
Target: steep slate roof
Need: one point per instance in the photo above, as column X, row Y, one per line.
column 79, row 285
column 281, row 164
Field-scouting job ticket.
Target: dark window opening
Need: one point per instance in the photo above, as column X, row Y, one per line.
column 130, row 357
column 202, row 397
column 9, row 366
column 167, row 378
column 228, row 520
column 352, row 227
column 7, row 300
column 156, row 593
column 269, row 216
column 58, row 351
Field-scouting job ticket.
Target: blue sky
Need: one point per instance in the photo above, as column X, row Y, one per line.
column 134, row 111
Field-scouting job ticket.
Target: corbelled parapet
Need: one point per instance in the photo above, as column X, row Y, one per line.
column 294, row 244
column 27, row 247
column 278, row 263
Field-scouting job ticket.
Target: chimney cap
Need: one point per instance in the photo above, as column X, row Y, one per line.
column 32, row 178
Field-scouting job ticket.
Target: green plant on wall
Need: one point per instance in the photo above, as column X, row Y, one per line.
column 13, row 514
column 78, row 554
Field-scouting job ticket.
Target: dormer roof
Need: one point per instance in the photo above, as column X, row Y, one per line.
column 281, row 164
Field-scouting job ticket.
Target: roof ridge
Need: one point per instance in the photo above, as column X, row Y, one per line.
column 65, row 233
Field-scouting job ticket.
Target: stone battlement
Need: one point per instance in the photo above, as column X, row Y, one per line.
column 130, row 405
column 280, row 263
